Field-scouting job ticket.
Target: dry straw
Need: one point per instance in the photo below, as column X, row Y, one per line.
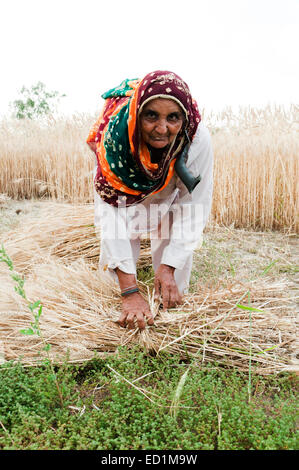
column 58, row 253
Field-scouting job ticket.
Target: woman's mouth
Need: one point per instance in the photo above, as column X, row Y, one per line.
column 159, row 139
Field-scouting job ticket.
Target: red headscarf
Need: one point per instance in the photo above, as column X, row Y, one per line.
column 134, row 94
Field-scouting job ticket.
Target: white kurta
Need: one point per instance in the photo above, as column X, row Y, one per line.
column 173, row 219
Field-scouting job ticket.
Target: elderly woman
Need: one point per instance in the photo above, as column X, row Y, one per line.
column 153, row 175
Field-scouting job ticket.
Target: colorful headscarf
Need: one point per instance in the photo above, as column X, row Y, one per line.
column 125, row 172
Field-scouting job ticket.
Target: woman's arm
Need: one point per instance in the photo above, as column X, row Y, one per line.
column 190, row 214
column 191, row 211
column 117, row 257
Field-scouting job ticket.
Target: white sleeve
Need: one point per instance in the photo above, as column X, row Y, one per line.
column 191, row 211
column 116, row 248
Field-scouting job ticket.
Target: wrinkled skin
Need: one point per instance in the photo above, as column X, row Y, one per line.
column 165, row 285
column 135, row 309
column 160, row 122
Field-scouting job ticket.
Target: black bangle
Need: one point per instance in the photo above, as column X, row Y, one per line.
column 131, row 291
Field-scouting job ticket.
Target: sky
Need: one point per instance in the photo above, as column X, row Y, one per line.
column 230, row 52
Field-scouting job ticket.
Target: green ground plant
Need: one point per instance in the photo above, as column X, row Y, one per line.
column 36, row 309
column 130, row 401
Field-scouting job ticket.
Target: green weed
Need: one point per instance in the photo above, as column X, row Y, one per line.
column 32, row 306
column 135, row 401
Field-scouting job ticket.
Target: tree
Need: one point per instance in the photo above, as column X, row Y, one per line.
column 35, row 102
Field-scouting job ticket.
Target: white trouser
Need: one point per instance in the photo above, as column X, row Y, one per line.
column 182, row 276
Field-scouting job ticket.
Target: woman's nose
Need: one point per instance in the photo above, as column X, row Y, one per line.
column 161, row 127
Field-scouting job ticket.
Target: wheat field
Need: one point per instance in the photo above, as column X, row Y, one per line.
column 255, row 172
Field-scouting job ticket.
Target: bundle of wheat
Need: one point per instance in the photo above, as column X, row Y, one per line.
column 242, row 325
column 62, row 230
column 80, row 312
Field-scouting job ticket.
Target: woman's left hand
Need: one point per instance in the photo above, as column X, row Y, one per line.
column 166, row 285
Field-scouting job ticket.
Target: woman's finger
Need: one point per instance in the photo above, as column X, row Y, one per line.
column 149, row 317
column 157, row 286
column 175, row 298
column 172, row 301
column 130, row 321
column 165, row 297
column 140, row 321
column 122, row 319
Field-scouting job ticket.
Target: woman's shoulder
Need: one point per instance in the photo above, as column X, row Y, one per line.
column 202, row 135
column 201, row 148
column 201, row 143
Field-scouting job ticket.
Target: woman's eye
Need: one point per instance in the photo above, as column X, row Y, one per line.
column 150, row 115
column 153, row 115
column 173, row 117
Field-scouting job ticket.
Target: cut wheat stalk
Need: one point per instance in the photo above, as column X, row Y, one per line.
column 80, row 315
column 58, row 253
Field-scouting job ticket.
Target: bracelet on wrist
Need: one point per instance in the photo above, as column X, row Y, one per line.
column 129, row 291
column 129, row 287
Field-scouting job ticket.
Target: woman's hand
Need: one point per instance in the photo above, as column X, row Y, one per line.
column 166, row 286
column 93, row 146
column 135, row 308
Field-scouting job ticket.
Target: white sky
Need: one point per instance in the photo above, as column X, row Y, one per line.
column 230, row 52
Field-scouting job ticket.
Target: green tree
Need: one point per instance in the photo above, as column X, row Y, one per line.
column 35, row 102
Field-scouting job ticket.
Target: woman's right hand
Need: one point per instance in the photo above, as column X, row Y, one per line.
column 135, row 307
column 93, row 146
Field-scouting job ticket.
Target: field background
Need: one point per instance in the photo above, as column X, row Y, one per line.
column 255, row 177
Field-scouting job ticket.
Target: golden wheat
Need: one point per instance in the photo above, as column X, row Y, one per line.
column 256, row 164
column 58, row 254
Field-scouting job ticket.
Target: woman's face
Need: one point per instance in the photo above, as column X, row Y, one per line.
column 160, row 121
